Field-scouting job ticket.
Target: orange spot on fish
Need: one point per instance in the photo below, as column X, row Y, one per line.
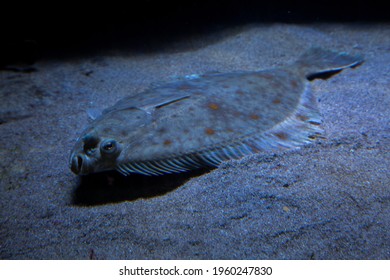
column 213, row 106
column 167, row 142
column 302, row 118
column 254, row 117
column 210, row 131
column 281, row 135
column 276, row 101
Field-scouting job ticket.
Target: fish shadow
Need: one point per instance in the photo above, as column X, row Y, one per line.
column 112, row 187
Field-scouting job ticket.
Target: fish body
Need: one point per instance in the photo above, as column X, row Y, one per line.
column 202, row 121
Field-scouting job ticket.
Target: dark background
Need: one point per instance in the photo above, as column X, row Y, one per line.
column 31, row 31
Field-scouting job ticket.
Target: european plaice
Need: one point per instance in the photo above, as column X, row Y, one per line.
column 200, row 121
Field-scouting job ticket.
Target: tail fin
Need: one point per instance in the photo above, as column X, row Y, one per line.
column 317, row 61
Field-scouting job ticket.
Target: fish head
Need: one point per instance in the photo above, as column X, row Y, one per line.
column 101, row 146
column 93, row 153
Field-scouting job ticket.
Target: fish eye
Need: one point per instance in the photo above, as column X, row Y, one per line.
column 90, row 144
column 108, row 146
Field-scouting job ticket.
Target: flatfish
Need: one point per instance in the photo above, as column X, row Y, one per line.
column 204, row 120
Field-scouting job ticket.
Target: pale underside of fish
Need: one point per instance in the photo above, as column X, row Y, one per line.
column 207, row 119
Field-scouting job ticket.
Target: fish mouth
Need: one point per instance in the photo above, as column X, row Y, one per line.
column 79, row 164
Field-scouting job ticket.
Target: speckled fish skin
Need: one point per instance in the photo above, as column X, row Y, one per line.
column 203, row 121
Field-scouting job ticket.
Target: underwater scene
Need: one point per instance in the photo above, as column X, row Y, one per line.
column 196, row 131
